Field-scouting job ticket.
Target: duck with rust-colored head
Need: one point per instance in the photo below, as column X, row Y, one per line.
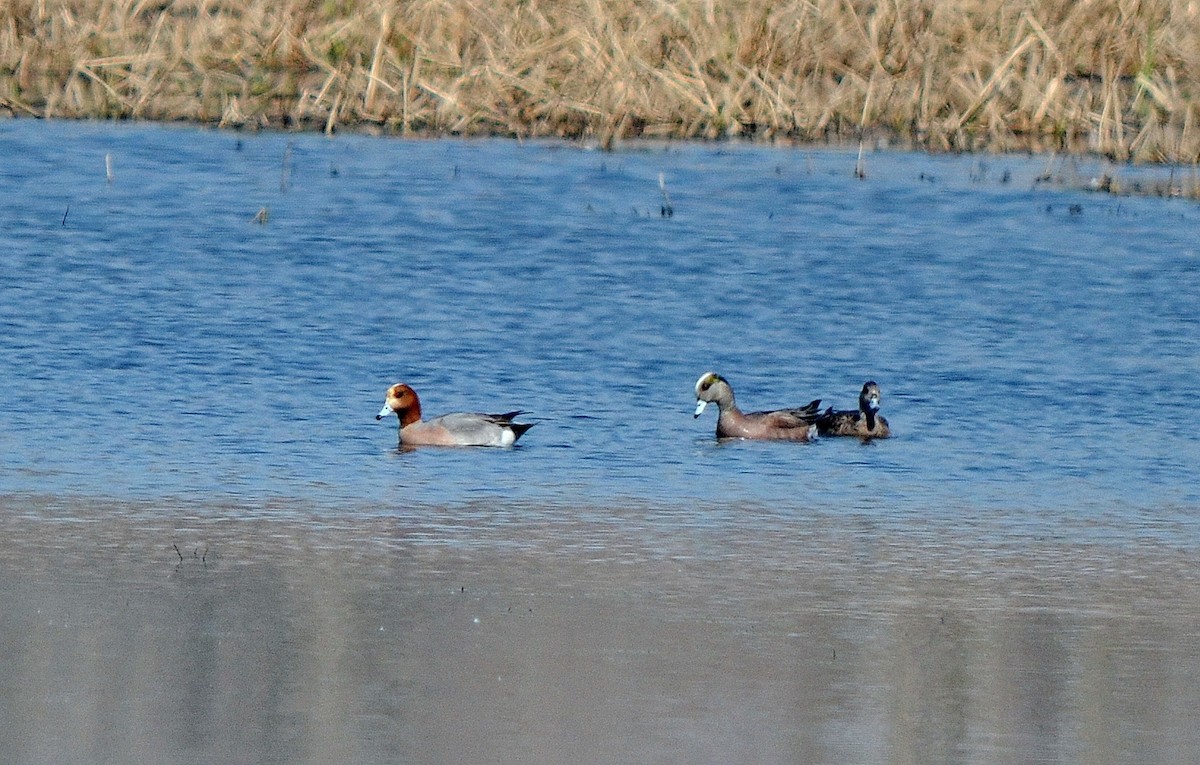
column 457, row 429
column 779, row 425
column 864, row 423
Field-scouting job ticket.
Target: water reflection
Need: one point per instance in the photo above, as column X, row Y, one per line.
column 602, row 635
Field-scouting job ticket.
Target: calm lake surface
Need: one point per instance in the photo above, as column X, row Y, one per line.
column 213, row 552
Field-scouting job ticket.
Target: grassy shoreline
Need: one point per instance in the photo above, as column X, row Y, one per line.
column 1116, row 78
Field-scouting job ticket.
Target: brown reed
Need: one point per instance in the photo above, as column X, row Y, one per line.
column 1120, row 78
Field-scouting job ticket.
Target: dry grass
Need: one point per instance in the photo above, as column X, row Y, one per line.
column 1115, row 77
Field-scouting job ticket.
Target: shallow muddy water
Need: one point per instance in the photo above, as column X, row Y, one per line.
column 577, row 634
column 212, row 550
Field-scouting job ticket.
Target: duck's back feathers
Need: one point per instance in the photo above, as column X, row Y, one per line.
column 506, row 421
column 806, row 412
column 468, row 429
column 866, row 422
column 800, row 417
column 851, row 423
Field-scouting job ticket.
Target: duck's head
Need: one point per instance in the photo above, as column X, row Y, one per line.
column 711, row 387
column 870, row 397
column 402, row 401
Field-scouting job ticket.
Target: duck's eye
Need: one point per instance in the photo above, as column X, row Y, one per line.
column 706, row 385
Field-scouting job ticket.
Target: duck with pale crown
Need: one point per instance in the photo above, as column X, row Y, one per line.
column 778, row 425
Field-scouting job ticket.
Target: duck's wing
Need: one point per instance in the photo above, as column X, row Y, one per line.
column 838, row 423
column 506, row 421
column 470, row 429
column 503, row 419
column 802, row 417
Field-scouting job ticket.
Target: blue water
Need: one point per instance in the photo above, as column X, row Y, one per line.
column 1038, row 348
column 213, row 552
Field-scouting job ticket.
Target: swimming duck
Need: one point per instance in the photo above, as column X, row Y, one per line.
column 458, row 429
column 783, row 424
column 865, row 423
